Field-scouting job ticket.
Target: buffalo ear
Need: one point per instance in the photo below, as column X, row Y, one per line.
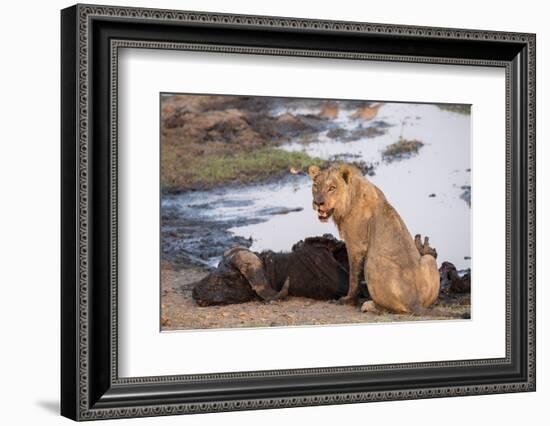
column 313, row 171
column 346, row 172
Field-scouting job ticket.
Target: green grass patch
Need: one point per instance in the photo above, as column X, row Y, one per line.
column 402, row 148
column 207, row 171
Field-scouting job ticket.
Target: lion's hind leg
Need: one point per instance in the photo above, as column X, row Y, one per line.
column 428, row 289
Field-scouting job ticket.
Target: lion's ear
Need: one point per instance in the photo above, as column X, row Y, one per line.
column 313, row 171
column 346, row 172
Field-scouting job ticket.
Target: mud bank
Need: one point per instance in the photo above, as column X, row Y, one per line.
column 208, row 141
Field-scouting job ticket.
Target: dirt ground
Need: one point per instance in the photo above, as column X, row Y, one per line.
column 180, row 312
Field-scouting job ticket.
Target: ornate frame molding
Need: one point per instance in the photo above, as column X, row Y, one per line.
column 83, row 15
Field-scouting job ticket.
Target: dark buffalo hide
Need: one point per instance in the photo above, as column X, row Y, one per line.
column 453, row 281
column 316, row 267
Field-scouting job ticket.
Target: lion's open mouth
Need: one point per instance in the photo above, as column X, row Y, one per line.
column 324, row 215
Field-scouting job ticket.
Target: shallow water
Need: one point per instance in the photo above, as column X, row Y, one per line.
column 441, row 167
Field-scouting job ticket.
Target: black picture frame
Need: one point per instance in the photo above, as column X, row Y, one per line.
column 90, row 386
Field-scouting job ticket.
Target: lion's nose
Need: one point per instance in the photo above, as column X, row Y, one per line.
column 319, row 201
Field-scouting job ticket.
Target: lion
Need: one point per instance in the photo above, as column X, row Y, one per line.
column 401, row 274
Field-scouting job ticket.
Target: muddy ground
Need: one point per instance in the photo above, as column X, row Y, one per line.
column 180, row 312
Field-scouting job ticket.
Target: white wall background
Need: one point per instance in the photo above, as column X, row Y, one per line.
column 29, row 212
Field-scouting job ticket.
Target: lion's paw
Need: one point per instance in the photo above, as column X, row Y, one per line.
column 370, row 307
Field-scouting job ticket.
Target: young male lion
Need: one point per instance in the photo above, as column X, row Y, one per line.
column 401, row 276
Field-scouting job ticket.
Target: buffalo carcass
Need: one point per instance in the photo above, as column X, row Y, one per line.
column 316, row 268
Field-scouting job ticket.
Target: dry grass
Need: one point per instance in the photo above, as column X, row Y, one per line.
column 459, row 108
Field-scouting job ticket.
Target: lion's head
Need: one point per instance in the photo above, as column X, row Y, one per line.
column 331, row 190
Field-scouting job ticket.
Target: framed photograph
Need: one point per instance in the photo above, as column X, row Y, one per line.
column 263, row 212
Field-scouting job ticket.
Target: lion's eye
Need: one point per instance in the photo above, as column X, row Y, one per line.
column 332, row 188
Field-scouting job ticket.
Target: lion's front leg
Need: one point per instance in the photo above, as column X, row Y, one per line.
column 355, row 268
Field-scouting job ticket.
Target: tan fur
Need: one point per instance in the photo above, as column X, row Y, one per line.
column 398, row 277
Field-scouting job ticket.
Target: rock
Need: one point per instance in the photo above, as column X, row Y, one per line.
column 466, row 194
column 337, row 133
column 367, row 132
column 287, row 123
column 329, row 110
column 279, row 210
column 381, row 124
column 368, row 112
